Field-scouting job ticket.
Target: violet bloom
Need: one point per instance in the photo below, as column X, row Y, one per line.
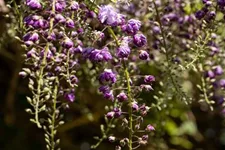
column 143, row 55
column 218, row 70
column 110, row 114
column 70, row 23
column 199, row 14
column 104, row 89
column 59, row 18
column 132, row 26
column 67, row 43
column 149, row 79
column 33, row 4
column 74, row 6
column 222, row 83
column 156, row 30
column 70, row 96
column 108, row 15
column 135, row 106
column 60, row 5
column 139, row 40
column 107, row 76
column 221, row 3
column 123, row 51
column 150, row 128
column 146, row 88
column 210, row 74
column 31, row 37
column 122, row 97
column 118, row 112
column 100, row 55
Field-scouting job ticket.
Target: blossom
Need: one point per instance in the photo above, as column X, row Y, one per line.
column 60, row 5
column 218, row 70
column 74, row 6
column 70, row 96
column 123, row 51
column 31, row 37
column 100, row 55
column 199, row 14
column 134, row 106
column 110, row 114
column 222, row 83
column 67, row 43
column 33, row 4
column 132, row 26
column 122, row 97
column 109, row 95
column 149, row 79
column 108, row 15
column 107, row 76
column 139, row 40
column 149, row 128
column 60, row 18
column 70, row 23
column 104, row 89
column 143, row 55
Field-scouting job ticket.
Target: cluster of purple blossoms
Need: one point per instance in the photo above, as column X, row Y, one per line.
column 131, row 42
column 53, row 43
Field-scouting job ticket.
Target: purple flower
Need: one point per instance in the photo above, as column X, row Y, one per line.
column 222, row 83
column 31, row 37
column 74, row 6
column 156, row 30
column 109, row 95
column 31, row 53
column 139, row 40
column 70, row 96
column 60, row 5
column 107, row 76
column 122, row 97
column 135, row 106
column 104, row 89
column 218, row 70
column 100, row 55
column 144, row 137
column 199, row 14
column 117, row 112
column 132, row 26
column 210, row 74
column 110, row 114
column 147, row 88
column 149, row 79
column 123, row 51
column 221, row 3
column 34, row 4
column 70, row 23
column 149, row 128
column 108, row 15
column 59, row 18
column 51, row 37
column 67, row 43
column 143, row 55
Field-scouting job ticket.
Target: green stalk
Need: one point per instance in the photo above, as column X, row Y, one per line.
column 42, row 67
column 53, row 117
column 130, row 119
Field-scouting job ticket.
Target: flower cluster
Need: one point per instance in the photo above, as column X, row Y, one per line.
column 116, row 83
column 53, row 49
